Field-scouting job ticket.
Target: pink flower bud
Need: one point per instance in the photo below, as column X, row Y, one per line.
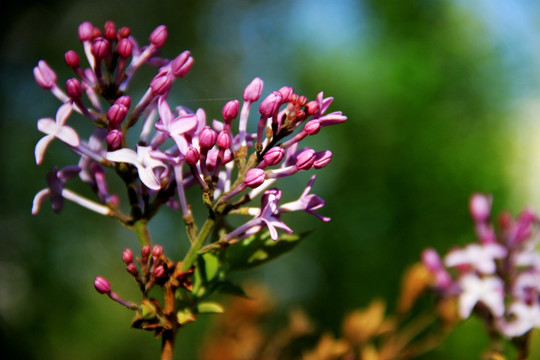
column 161, row 83
column 179, row 62
column 114, row 139
column 230, row 110
column 74, row 88
column 305, row 160
column 100, row 48
column 431, row 260
column 207, row 137
column 159, row 271
column 322, row 158
column 123, row 100
column 312, row 127
column 102, row 285
column 132, row 269
column 224, row 140
column 480, row 207
column 158, row 36
column 72, row 59
column 86, row 30
column 145, row 251
column 44, row 75
column 312, row 107
column 254, row 177
column 124, row 32
column 157, row 251
column 124, row 47
column 271, row 104
column 116, row 114
column 253, row 91
column 110, row 31
column 274, row 156
column 286, row 93
column 127, row 256
column 192, row 156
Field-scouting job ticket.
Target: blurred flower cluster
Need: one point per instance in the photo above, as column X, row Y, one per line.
column 160, row 153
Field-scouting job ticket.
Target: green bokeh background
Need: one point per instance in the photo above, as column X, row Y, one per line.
column 435, row 92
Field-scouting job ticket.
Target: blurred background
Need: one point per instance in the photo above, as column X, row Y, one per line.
column 442, row 100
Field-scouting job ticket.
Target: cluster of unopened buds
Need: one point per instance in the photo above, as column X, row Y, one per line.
column 176, row 150
column 497, row 277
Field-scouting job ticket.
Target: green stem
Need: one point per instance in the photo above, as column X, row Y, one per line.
column 141, row 230
column 193, row 252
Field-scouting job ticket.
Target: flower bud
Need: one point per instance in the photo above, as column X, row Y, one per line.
column 114, row 139
column 86, row 30
column 253, row 91
column 161, row 83
column 124, row 32
column 431, row 260
column 322, row 158
column 273, row 156
column 145, row 251
column 44, row 75
column 109, row 31
column 254, row 177
column 192, row 156
column 102, row 285
column 480, row 207
column 312, row 107
column 230, row 110
column 179, row 63
column 305, row 160
column 157, row 251
column 207, row 137
column 312, row 127
column 124, row 100
column 159, row 271
column 158, row 36
column 74, row 88
column 127, row 256
column 271, row 104
column 132, row 269
column 224, row 140
column 100, row 48
column 116, row 114
column 124, row 47
column 286, row 93
column 72, row 59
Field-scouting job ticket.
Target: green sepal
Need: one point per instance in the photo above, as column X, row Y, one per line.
column 258, row 249
column 210, row 307
column 185, row 316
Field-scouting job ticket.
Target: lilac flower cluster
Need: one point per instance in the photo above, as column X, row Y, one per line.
column 497, row 277
column 177, row 149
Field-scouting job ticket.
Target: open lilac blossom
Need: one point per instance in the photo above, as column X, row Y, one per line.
column 487, row 290
column 480, row 257
column 307, row 202
column 55, row 129
column 144, row 163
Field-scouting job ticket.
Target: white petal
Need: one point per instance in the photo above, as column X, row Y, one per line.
column 63, row 113
column 47, row 126
column 148, row 178
column 68, row 135
column 41, row 146
column 123, row 155
column 38, row 199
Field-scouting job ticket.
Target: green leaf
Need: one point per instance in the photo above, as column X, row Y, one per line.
column 225, row 286
column 258, row 249
column 207, row 271
column 210, row 307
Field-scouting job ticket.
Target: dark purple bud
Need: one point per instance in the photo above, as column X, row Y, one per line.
column 86, row 31
column 100, row 48
column 274, row 156
column 312, row 127
column 158, row 36
column 286, row 93
column 161, row 83
column 44, row 75
column 109, row 31
column 124, row 32
column 207, row 137
column 114, row 139
column 322, row 158
column 157, row 251
column 312, row 107
column 72, row 59
column 124, row 47
column 253, row 91
column 305, row 160
column 480, row 207
column 224, row 140
column 230, row 110
column 116, row 114
column 124, row 100
column 159, row 271
column 102, row 285
column 271, row 104
column 132, row 269
column 177, row 65
column 127, row 256
column 74, row 88
column 254, row 177
column 192, row 156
